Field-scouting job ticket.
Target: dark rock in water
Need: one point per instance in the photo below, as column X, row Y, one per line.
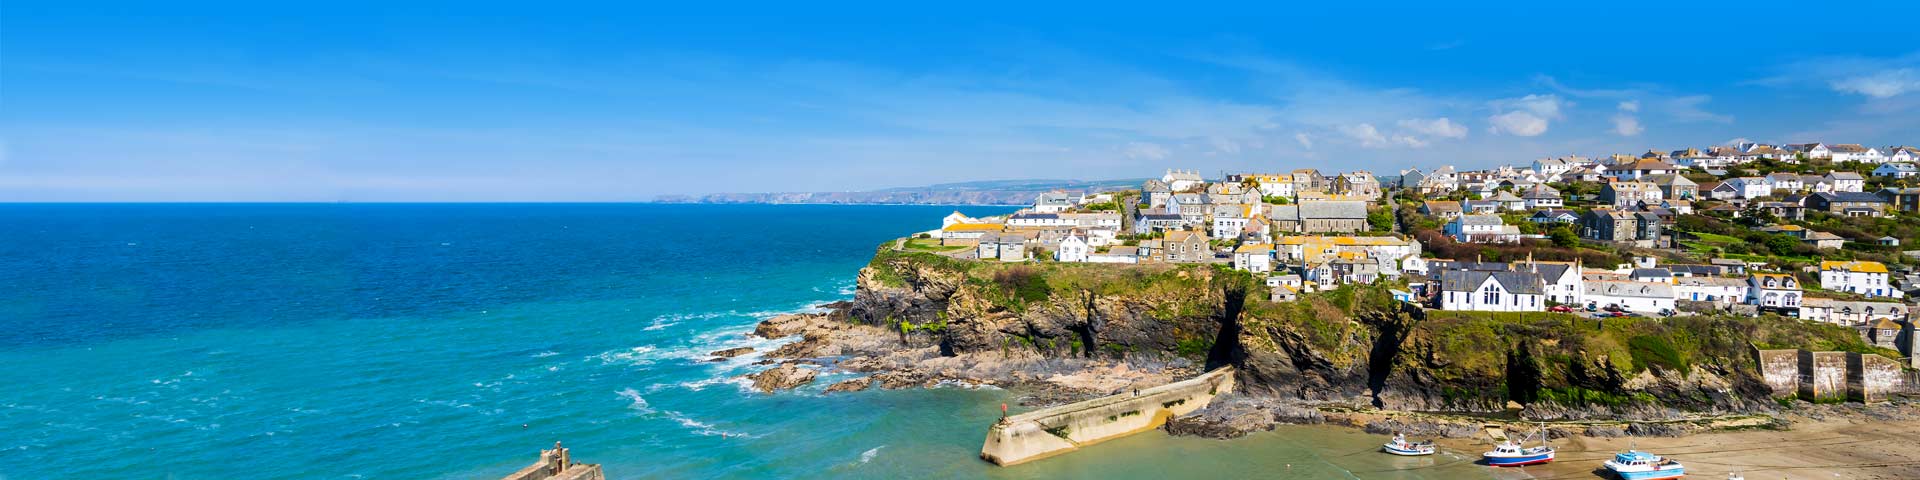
column 899, row 380
column 783, row 377
column 732, row 352
column 763, row 362
column 1606, row 431
column 1234, row 415
column 853, row 385
column 783, row 325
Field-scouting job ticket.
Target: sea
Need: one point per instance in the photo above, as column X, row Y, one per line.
column 341, row 341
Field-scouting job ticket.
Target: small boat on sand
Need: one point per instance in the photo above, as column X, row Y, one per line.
column 1400, row 446
column 1638, row 465
column 1509, row 454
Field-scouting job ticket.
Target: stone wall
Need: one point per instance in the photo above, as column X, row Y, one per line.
column 1870, row 378
column 557, row 464
column 1052, row 431
column 1780, row 370
column 1823, row 376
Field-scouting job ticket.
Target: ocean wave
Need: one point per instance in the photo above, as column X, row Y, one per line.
column 639, row 404
column 545, row 354
column 868, row 456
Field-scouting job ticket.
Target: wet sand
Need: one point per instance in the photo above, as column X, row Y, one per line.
column 1830, row 449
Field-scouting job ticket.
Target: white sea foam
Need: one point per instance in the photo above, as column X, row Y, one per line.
column 638, row 403
column 545, row 354
column 867, row 456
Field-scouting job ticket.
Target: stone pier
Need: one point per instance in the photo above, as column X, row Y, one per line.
column 1053, row 431
column 557, row 464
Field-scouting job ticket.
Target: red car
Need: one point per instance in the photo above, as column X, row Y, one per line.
column 1560, row 308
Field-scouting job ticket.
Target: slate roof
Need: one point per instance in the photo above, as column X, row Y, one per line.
column 1524, row 283
column 1850, row 197
column 1480, row 220
column 1334, row 209
column 1630, row 289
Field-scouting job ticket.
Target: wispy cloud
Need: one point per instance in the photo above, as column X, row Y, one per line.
column 1526, row 116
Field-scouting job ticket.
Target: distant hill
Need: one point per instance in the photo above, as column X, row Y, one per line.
column 988, row 192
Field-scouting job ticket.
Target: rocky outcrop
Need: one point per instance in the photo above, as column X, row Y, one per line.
column 731, row 352
column 853, row 385
column 783, row 377
column 784, row 325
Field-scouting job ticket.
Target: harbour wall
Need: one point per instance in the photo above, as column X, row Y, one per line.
column 1056, row 430
column 1830, row 376
column 557, row 464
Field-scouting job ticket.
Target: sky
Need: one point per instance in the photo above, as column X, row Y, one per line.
column 562, row 101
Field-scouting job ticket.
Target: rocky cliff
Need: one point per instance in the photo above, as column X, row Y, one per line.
column 1353, row 346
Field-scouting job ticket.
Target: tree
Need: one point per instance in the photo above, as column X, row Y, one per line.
column 1381, row 219
column 1564, row 237
column 1782, row 244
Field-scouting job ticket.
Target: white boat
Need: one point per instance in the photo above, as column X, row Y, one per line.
column 1400, row 446
column 1638, row 465
column 1509, row 454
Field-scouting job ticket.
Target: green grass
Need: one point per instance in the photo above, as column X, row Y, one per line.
column 931, row 245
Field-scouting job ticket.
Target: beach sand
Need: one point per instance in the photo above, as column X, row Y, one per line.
column 1829, row 449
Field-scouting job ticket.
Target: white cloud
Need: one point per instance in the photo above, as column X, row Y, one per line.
column 1366, row 134
column 1437, row 127
column 1526, row 116
column 1149, row 151
column 1626, row 125
column 1305, row 141
column 1883, row 84
column 1736, row 141
column 1519, row 123
column 1630, row 106
column 1371, row 137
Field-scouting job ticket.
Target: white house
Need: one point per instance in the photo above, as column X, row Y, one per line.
column 1862, row 277
column 1562, row 280
column 1119, row 254
column 1850, row 312
column 1724, row 291
column 1181, row 180
column 1472, row 290
column 1033, row 219
column 1811, row 150
column 1896, row 170
column 1750, row 187
column 1053, row 202
column 1846, row 181
column 1482, row 229
column 1074, row 248
column 1543, row 196
column 1903, row 154
column 1773, row 290
column 1632, row 296
column 1253, row 257
column 1853, row 152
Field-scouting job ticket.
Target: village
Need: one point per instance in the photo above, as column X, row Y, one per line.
column 1812, row 231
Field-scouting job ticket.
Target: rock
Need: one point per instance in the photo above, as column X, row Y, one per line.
column 899, row 380
column 783, row 377
column 853, row 385
column 1659, row 429
column 1227, row 416
column 1420, row 427
column 732, row 352
column 784, row 325
column 1606, row 431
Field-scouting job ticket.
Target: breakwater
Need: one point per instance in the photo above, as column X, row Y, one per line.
column 1065, row 428
column 1830, row 376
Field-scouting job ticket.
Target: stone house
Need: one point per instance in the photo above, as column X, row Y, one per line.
column 1851, row 204
column 1185, row 247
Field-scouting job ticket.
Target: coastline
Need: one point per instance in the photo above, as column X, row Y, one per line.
column 1805, row 441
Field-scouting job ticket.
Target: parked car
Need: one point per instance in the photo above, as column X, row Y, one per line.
column 1560, row 308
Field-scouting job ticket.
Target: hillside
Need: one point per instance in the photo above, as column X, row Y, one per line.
column 1352, row 346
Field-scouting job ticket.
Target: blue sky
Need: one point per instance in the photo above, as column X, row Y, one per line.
column 545, row 101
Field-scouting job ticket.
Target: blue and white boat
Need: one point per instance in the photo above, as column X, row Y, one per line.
column 1638, row 465
column 1400, row 446
column 1510, row 454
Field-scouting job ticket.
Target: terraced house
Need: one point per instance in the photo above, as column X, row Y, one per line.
column 1496, row 291
column 1862, row 277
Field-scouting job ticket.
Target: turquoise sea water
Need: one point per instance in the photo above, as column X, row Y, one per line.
column 453, row 341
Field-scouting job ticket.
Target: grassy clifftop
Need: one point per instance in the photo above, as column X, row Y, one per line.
column 1351, row 342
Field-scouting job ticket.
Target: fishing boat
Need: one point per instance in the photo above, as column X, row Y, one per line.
column 1400, row 446
column 1638, row 465
column 1509, row 454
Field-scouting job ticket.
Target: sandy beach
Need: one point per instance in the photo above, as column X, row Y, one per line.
column 1826, row 449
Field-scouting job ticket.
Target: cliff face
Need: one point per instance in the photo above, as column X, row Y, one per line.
column 1350, row 346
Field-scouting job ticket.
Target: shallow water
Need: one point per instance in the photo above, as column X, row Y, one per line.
column 453, row 341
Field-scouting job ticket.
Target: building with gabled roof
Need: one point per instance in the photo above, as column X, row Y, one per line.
column 1775, row 291
column 1860, row 276
column 1491, row 291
